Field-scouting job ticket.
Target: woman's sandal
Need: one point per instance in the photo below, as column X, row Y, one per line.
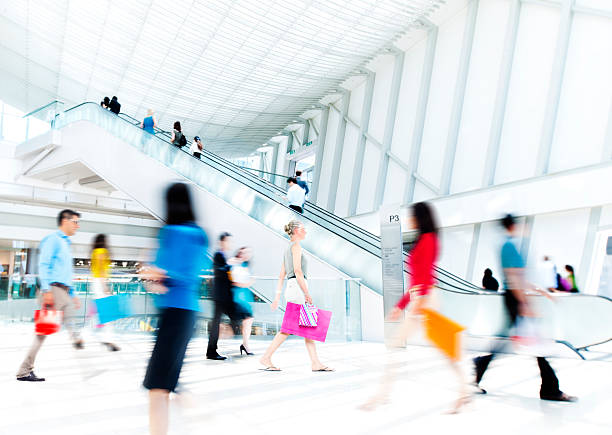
column 271, row 369
column 460, row 404
column 325, row 369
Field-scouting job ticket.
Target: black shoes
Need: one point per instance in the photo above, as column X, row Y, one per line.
column 242, row 348
column 561, row 397
column 31, row 378
column 79, row 345
column 216, row 357
column 112, row 347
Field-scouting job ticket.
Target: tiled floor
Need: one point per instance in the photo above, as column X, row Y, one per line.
column 96, row 392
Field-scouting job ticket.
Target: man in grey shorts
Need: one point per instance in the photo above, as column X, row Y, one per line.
column 55, row 272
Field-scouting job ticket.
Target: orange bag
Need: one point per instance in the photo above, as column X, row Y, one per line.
column 444, row 333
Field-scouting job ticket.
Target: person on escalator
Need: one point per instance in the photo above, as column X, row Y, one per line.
column 295, row 195
column 518, row 305
column 301, row 183
column 105, row 102
column 114, row 106
column 149, row 123
column 196, row 147
column 178, row 138
column 488, row 281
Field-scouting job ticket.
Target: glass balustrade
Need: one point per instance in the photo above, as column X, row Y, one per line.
column 340, row 296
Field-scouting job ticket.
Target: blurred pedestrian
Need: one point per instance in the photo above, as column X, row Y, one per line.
column 56, row 292
column 295, row 195
column 114, row 106
column 571, row 277
column 488, row 281
column 420, row 295
column 178, row 138
column 548, row 274
column 223, row 295
column 100, row 265
column 243, row 297
column 149, row 123
column 181, row 256
column 196, row 147
column 294, row 268
column 518, row 305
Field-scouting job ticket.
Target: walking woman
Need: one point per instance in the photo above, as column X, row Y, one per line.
column 295, row 268
column 180, row 258
column 421, row 294
column 243, row 297
column 100, row 265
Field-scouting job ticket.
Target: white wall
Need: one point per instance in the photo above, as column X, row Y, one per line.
column 580, row 127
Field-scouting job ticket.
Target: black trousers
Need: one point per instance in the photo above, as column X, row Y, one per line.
column 296, row 208
column 221, row 307
column 550, row 382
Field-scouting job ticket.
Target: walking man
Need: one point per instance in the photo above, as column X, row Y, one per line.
column 222, row 295
column 55, row 272
column 517, row 304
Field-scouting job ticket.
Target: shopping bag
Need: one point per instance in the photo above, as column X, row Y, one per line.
column 309, row 315
column 444, row 333
column 292, row 326
column 47, row 322
column 113, row 308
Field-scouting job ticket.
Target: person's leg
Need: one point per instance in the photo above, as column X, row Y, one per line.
column 158, row 411
column 550, row 382
column 247, row 325
column 27, row 366
column 279, row 339
column 64, row 302
column 314, row 357
column 213, row 335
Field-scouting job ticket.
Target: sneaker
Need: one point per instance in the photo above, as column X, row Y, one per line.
column 31, row 378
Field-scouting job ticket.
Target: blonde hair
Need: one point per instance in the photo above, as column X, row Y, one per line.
column 292, row 226
column 150, row 112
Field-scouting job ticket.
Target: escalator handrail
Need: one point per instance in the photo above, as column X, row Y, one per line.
column 374, row 242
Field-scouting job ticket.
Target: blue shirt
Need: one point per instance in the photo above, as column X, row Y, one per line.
column 510, row 258
column 183, row 255
column 303, row 185
column 55, row 261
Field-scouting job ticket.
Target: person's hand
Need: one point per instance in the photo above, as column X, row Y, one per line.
column 395, row 314
column 274, row 305
column 308, row 298
column 47, row 299
column 77, row 302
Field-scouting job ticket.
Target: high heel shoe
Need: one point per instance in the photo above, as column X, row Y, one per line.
column 242, row 348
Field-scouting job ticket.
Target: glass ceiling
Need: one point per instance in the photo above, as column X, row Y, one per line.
column 234, row 72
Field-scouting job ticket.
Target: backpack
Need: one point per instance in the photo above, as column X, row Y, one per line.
column 182, row 140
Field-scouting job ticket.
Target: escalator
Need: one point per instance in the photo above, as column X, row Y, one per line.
column 253, row 209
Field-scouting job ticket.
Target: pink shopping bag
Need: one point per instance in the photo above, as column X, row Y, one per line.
column 291, row 323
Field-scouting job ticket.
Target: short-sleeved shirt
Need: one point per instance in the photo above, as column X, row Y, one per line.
column 510, row 258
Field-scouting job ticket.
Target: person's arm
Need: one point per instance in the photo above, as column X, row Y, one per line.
column 154, row 122
column 173, row 136
column 45, row 268
column 142, row 124
column 279, row 286
column 296, row 250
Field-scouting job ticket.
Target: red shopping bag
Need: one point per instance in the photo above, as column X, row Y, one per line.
column 47, row 322
column 292, row 326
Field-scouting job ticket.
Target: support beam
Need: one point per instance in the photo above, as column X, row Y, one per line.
column 305, row 131
column 276, row 147
column 313, row 126
column 458, row 98
column 588, row 252
column 426, row 183
column 366, row 110
column 319, row 156
column 421, row 112
column 338, row 147
column 607, row 148
column 501, row 97
column 383, row 167
column 473, row 252
column 554, row 89
column 526, row 238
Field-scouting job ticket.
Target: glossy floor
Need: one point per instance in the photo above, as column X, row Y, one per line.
column 93, row 391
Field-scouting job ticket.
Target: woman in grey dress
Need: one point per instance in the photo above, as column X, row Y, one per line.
column 295, row 268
